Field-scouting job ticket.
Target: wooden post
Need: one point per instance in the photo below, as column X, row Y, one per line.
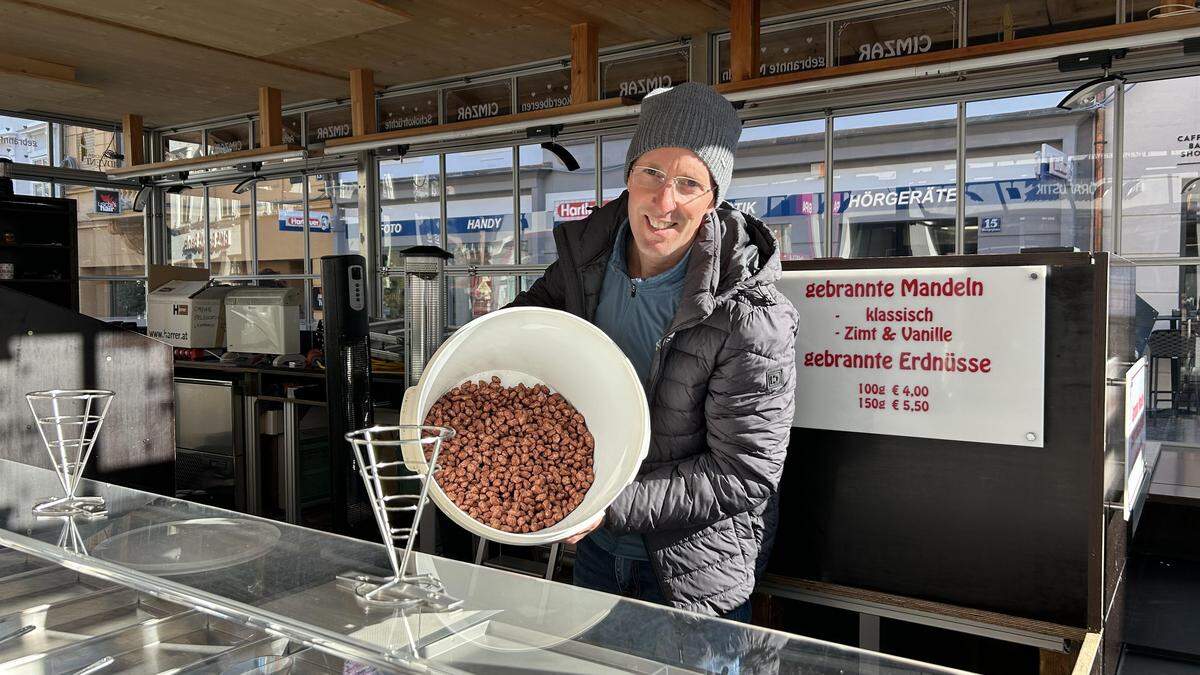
column 743, row 39
column 133, row 140
column 270, row 117
column 585, row 63
column 362, row 102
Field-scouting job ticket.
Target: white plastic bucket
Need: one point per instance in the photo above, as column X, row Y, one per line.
column 533, row 345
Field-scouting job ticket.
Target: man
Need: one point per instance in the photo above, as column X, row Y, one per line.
column 684, row 284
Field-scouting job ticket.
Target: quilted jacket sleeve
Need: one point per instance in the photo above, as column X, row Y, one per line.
column 749, row 416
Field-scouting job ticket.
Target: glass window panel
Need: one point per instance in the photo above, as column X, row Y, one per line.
column 112, row 236
column 328, row 124
column 1160, row 166
column 333, row 223
column 639, row 75
column 894, row 183
column 907, row 32
column 789, row 50
column 291, row 130
column 612, row 167
column 408, row 112
column 306, row 322
column 87, row 148
column 393, row 297
column 478, row 101
column 185, row 145
column 544, row 91
column 1033, row 176
column 32, row 188
column 551, row 195
column 25, row 141
column 991, row 21
column 184, row 219
column 230, row 232
column 473, row 296
column 527, row 281
column 229, row 138
column 1167, row 294
column 1140, row 10
column 116, row 300
column 409, row 204
column 479, row 207
column 279, row 210
column 779, row 178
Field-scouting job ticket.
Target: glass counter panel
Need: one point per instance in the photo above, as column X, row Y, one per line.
column 262, row 576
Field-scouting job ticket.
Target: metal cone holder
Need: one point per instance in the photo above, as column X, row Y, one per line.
column 69, row 422
column 398, row 490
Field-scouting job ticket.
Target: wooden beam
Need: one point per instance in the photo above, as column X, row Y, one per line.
column 43, row 69
column 270, row 117
column 744, row 18
column 133, row 140
column 1081, row 36
column 585, row 63
column 362, row 102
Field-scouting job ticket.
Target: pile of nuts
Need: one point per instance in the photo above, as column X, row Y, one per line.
column 521, row 459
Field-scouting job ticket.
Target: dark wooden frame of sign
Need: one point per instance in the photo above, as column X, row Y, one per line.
column 1014, row 532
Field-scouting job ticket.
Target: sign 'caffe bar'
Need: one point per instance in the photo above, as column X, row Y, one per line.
column 293, row 386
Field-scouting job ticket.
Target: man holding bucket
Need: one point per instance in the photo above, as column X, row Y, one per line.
column 684, row 284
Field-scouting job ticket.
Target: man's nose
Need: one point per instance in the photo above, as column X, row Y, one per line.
column 666, row 201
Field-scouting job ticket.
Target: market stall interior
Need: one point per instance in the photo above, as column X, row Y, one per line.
column 264, row 229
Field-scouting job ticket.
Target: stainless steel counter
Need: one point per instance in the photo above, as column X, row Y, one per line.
column 163, row 585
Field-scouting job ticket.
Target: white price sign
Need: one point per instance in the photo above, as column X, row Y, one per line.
column 950, row 353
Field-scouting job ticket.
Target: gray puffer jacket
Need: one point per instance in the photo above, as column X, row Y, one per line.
column 721, row 397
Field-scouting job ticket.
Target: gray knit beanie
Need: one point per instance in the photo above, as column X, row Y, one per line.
column 693, row 116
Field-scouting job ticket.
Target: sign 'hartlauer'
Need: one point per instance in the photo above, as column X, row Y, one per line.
column 949, row 353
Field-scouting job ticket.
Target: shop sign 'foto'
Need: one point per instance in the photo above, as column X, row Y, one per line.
column 949, row 353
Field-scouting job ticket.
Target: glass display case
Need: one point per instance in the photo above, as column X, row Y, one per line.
column 160, row 584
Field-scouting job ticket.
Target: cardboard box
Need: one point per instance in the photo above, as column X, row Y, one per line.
column 188, row 314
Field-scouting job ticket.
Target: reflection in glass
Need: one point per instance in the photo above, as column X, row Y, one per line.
column 612, row 167
column 185, row 145
column 25, row 141
column 328, row 124
column 542, row 91
column 333, row 224
column 1161, row 161
column 1033, row 176
column 116, row 300
column 229, row 138
column 279, row 210
column 184, row 219
column 87, row 148
column 291, row 131
column 230, row 232
column 779, row 178
column 550, row 195
column 473, row 296
column 479, row 207
column 111, row 243
column 410, row 205
column 894, row 188
column 393, row 297
column 991, row 21
column 788, row 50
column 907, row 32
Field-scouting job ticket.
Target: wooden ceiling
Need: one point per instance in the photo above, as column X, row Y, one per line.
column 177, row 61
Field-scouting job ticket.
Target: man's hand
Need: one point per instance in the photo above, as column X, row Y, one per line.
column 592, row 525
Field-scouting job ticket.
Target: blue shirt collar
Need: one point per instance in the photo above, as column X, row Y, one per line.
column 668, row 279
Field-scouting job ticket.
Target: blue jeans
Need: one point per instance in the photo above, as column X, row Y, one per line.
column 664, row 637
column 600, row 570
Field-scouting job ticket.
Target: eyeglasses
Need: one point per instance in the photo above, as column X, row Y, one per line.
column 649, row 178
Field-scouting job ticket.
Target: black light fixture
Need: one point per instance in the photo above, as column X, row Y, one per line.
column 142, row 198
column 1085, row 95
column 551, row 131
column 244, row 186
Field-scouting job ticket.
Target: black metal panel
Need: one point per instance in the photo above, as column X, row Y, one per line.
column 347, row 378
column 45, row 346
column 1001, row 528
